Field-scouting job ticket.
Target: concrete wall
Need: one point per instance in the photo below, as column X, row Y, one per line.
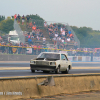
column 7, row 57
column 16, row 57
column 63, row 84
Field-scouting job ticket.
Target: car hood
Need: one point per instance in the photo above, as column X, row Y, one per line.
column 47, row 59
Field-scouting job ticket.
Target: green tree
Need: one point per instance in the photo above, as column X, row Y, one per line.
column 88, row 37
column 36, row 17
column 6, row 25
column 2, row 18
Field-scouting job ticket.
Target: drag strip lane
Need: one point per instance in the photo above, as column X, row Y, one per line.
column 26, row 68
column 23, row 69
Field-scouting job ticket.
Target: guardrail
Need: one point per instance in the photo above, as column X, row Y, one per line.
column 13, row 49
column 30, row 87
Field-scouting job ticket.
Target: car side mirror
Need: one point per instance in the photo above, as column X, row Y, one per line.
column 64, row 59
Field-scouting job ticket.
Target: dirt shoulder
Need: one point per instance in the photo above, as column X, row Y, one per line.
column 95, row 95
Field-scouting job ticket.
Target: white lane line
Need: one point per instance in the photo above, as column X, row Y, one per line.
column 13, row 68
column 26, row 68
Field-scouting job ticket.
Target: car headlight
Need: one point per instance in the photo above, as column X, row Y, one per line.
column 32, row 62
column 52, row 63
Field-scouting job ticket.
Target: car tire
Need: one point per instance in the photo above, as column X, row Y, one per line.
column 33, row 71
column 58, row 70
column 66, row 72
column 45, row 71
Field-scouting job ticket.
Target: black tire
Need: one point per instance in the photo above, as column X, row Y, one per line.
column 33, row 71
column 58, row 70
column 46, row 71
column 66, row 72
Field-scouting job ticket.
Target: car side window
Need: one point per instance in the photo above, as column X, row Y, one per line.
column 63, row 57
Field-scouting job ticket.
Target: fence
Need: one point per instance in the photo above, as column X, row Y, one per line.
column 36, row 51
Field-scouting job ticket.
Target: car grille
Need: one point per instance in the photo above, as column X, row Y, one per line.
column 42, row 63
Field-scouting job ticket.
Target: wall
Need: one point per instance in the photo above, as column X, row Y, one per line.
column 29, row 57
column 29, row 88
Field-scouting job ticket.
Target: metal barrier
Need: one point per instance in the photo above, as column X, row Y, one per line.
column 35, row 51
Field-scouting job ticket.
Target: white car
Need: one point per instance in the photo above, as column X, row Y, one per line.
column 51, row 61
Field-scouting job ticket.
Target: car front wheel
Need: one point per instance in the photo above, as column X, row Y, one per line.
column 46, row 71
column 58, row 70
column 32, row 71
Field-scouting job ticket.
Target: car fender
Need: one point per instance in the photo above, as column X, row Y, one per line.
column 57, row 63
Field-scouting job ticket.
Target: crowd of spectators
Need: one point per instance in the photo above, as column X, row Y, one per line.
column 60, row 35
column 22, row 18
column 36, row 34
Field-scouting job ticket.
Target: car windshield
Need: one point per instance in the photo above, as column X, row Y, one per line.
column 49, row 56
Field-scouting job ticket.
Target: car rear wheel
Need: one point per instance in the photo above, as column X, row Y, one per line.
column 32, row 70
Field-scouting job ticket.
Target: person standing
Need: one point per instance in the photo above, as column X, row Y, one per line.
column 15, row 16
column 23, row 18
column 27, row 19
column 18, row 18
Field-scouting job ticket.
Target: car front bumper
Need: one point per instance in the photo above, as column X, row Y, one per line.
column 43, row 67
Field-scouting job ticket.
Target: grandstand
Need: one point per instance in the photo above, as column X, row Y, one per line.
column 36, row 38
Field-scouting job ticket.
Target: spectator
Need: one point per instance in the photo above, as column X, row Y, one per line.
column 32, row 36
column 56, row 35
column 44, row 40
column 45, row 24
column 38, row 38
column 59, row 26
column 54, row 40
column 30, row 25
column 34, row 24
column 69, row 32
column 71, row 36
column 68, row 39
column 15, row 16
column 30, row 41
column 23, row 18
column 35, row 48
column 41, row 34
column 39, row 50
column 0, row 38
column 75, row 45
column 18, row 18
column 33, row 28
column 27, row 19
column 63, row 33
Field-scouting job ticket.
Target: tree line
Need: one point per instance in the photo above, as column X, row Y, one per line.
column 88, row 37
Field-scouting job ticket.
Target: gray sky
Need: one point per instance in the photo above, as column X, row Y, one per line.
column 74, row 12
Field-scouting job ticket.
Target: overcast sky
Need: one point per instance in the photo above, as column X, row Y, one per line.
column 74, row 12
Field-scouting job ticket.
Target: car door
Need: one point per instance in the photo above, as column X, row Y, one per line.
column 64, row 62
